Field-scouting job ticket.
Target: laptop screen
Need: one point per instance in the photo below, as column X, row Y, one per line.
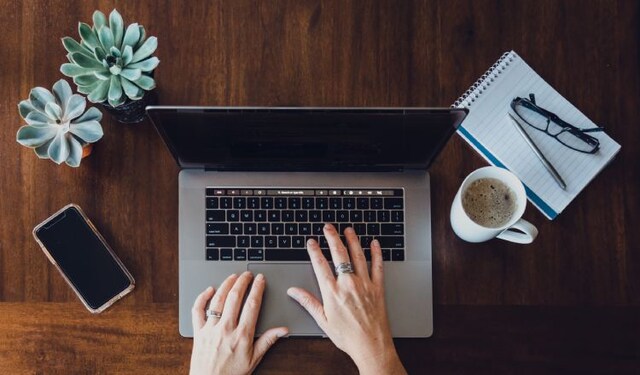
column 305, row 139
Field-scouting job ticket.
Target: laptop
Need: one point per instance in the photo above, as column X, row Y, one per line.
column 256, row 183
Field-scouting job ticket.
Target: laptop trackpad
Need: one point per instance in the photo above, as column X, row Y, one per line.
column 278, row 309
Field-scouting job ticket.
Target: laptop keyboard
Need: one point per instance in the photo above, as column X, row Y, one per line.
column 274, row 224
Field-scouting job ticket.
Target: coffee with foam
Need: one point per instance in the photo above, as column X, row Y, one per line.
column 489, row 202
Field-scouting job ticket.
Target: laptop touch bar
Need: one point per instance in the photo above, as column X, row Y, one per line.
column 274, row 224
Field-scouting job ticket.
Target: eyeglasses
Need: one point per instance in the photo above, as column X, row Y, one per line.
column 549, row 123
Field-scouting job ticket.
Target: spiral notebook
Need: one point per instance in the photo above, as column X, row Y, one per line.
column 491, row 133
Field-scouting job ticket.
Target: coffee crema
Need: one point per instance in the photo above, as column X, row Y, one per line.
column 489, row 202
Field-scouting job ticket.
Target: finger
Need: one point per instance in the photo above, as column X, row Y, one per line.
column 266, row 341
column 234, row 299
column 338, row 250
column 198, row 317
column 310, row 303
column 217, row 302
column 357, row 255
column 326, row 280
column 251, row 309
column 377, row 274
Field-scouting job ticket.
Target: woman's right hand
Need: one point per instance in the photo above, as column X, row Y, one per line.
column 354, row 314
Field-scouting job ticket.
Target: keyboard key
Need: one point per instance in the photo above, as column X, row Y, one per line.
column 210, row 191
column 217, row 228
column 244, row 241
column 342, row 216
column 212, row 202
column 362, row 203
column 277, row 228
column 335, row 203
column 315, row 216
column 391, row 229
column 360, row 228
column 301, row 216
column 274, row 215
column 215, row 215
column 286, row 255
column 233, row 191
column 322, row 203
column 294, row 203
column 373, row 229
column 267, row 203
column 221, row 241
column 304, row 229
column 233, row 215
column 226, row 202
column 386, row 254
column 236, row 228
column 246, row 215
column 257, row 241
column 291, row 228
column 376, row 203
column 349, row 203
column 317, row 229
column 246, row 192
column 256, row 254
column 260, row 215
column 240, row 254
column 383, row 216
column 281, row 203
column 239, row 202
column 341, row 228
column 288, row 216
column 365, row 241
column 284, row 241
column 308, row 203
column 226, row 254
column 397, row 216
column 328, row 216
column 212, row 254
column 298, row 242
column 323, row 242
column 370, row 216
column 393, row 204
column 367, row 254
column 393, row 242
column 250, row 228
column 253, row 203
column 355, row 216
column 271, row 241
column 397, row 254
column 264, row 228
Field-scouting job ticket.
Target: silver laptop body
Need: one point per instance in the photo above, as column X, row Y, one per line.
column 290, row 151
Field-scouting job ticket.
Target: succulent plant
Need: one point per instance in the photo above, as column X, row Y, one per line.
column 57, row 125
column 111, row 63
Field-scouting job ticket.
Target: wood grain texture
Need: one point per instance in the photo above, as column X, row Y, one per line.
column 568, row 302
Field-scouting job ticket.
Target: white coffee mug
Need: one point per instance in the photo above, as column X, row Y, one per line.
column 470, row 231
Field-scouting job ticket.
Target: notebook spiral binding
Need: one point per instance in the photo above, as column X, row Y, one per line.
column 474, row 92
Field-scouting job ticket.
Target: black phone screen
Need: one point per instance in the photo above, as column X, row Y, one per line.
column 83, row 258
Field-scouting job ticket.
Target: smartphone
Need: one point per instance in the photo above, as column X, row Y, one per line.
column 84, row 259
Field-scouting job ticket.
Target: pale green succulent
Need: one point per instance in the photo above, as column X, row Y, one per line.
column 57, row 125
column 110, row 63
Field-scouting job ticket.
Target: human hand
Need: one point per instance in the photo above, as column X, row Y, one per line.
column 226, row 345
column 354, row 314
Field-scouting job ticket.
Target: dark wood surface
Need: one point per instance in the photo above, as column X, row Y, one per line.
column 569, row 302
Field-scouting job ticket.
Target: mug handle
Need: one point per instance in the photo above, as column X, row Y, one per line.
column 530, row 232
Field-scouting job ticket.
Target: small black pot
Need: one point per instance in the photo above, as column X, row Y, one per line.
column 132, row 111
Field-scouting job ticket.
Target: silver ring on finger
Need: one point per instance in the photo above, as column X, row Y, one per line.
column 214, row 314
column 344, row 268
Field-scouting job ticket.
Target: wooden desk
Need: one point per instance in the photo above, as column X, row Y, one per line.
column 571, row 301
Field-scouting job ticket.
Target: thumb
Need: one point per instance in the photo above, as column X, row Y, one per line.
column 266, row 341
column 310, row 303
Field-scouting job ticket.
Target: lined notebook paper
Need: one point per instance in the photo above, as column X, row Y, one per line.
column 489, row 130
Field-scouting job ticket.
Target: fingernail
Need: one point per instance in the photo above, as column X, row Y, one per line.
column 259, row 277
column 209, row 289
column 311, row 241
column 292, row 292
column 376, row 242
column 282, row 333
column 328, row 226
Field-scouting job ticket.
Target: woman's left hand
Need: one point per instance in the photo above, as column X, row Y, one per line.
column 226, row 344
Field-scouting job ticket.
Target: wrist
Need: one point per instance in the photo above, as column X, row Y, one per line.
column 383, row 362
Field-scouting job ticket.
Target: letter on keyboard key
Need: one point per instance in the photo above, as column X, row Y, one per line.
column 221, row 241
column 217, row 228
column 397, row 254
column 256, row 254
column 215, row 215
